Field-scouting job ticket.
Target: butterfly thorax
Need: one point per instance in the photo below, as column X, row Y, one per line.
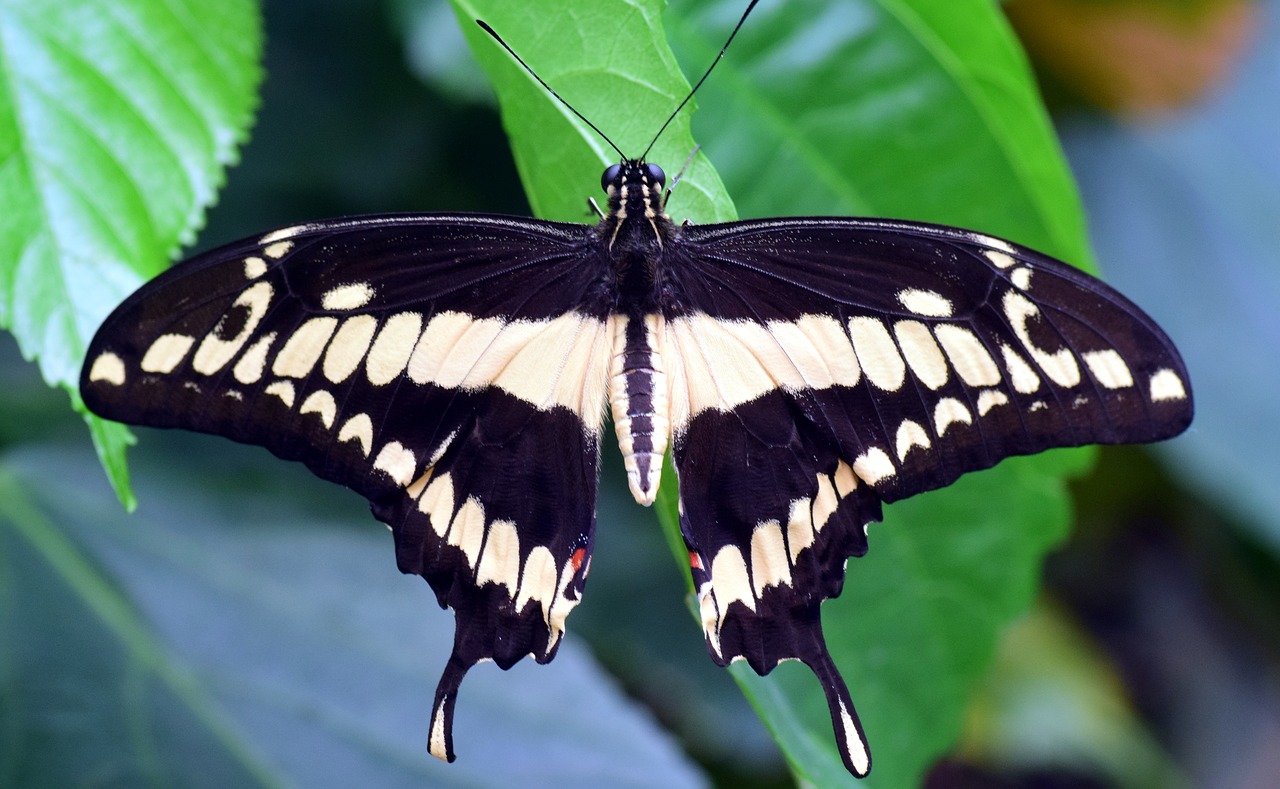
column 635, row 232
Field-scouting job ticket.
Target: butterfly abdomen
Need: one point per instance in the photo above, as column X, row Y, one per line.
column 638, row 400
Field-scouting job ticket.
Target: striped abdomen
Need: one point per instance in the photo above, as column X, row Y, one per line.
column 638, row 399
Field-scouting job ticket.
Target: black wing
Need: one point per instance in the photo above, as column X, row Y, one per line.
column 826, row 365
column 451, row 369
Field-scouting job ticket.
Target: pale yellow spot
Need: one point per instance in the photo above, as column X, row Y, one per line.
column 730, row 580
column 853, row 746
column 999, row 259
column 467, row 530
column 348, row 347
column 1060, row 365
column 283, row 390
column 391, row 350
column 800, row 534
column 214, row 352
column 253, row 363
column 303, row 348
column 816, row 353
column 968, row 355
column 989, row 399
column 1108, row 368
column 922, row 353
column 500, row 561
column 1021, row 278
column 950, row 411
column 845, row 479
column 322, row 403
column 254, row 267
column 107, row 367
column 1166, row 385
column 769, row 564
column 437, row 503
column 437, row 744
column 1024, row 379
column 166, row 353
column 910, row 434
column 926, row 302
column 347, row 297
column 877, row 353
column 825, row 502
column 358, row 428
column 539, row 580
column 874, row 465
column 277, row 250
column 282, row 233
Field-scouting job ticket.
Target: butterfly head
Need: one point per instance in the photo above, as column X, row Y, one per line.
column 635, row 189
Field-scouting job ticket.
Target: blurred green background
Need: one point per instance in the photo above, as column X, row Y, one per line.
column 258, row 614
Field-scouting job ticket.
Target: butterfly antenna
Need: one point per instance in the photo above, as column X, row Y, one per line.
column 705, row 74
column 484, row 26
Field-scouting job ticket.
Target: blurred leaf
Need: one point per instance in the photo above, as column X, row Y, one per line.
column 1184, row 219
column 1053, row 700
column 1136, row 57
column 115, row 125
column 916, row 110
column 258, row 640
column 832, row 108
column 628, row 98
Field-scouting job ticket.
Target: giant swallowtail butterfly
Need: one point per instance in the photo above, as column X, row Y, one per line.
column 454, row 369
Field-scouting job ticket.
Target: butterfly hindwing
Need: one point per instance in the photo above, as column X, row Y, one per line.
column 824, row 366
column 380, row 352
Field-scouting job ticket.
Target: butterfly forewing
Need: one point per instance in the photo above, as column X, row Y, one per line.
column 448, row 368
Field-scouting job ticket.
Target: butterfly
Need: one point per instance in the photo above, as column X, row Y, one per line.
column 455, row 370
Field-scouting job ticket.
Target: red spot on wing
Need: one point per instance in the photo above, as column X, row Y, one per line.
column 577, row 558
column 695, row 561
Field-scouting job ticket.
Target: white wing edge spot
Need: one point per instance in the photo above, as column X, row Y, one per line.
column 437, row 746
column 322, row 403
column 1021, row 278
column 989, row 399
column 397, row 462
column 1166, row 385
column 284, row 391
column 108, row 367
column 874, row 465
column 853, row 744
column 358, row 428
column 910, row 434
column 950, row 411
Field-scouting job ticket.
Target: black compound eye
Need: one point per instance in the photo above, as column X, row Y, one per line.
column 656, row 175
column 610, row 176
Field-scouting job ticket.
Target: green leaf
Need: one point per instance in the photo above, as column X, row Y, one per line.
column 610, row 60
column 116, row 122
column 260, row 639
column 923, row 110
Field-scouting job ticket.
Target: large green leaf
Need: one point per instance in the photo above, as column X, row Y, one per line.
column 116, row 121
column 922, row 110
column 260, row 639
